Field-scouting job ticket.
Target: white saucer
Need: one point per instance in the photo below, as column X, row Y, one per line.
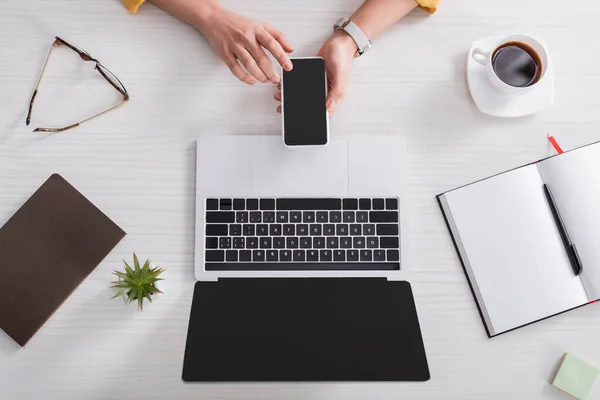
column 491, row 101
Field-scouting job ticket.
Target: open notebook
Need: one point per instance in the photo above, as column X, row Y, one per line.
column 510, row 243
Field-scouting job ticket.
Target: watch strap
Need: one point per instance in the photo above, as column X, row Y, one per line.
column 362, row 41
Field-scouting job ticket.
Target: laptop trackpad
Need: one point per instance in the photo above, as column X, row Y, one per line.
column 311, row 171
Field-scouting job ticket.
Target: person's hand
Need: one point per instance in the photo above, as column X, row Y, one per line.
column 236, row 38
column 338, row 52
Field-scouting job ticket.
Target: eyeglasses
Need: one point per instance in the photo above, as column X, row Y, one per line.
column 106, row 74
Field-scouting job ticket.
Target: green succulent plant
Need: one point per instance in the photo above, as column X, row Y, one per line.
column 137, row 283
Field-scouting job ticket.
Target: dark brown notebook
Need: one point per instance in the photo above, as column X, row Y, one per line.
column 47, row 249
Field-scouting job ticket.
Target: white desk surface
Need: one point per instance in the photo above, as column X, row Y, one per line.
column 137, row 164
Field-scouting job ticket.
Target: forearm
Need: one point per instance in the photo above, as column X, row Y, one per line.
column 193, row 12
column 375, row 16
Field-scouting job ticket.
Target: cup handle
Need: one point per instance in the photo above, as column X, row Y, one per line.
column 481, row 56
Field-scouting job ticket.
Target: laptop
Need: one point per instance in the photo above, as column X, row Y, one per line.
column 264, row 210
column 301, row 263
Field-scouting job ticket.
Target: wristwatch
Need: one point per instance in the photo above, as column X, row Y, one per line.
column 359, row 37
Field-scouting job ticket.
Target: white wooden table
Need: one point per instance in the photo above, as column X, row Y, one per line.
column 137, row 164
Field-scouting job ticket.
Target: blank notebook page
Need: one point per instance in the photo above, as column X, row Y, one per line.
column 514, row 250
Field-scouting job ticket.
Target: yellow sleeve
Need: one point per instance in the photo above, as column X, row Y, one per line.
column 132, row 5
column 429, row 5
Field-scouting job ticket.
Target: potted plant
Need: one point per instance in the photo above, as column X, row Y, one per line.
column 137, row 283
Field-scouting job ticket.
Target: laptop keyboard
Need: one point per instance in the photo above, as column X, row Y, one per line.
column 302, row 234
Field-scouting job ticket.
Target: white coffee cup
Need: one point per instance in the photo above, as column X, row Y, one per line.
column 484, row 57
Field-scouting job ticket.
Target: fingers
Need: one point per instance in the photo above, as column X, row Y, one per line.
column 248, row 61
column 334, row 98
column 274, row 47
column 280, row 37
column 238, row 71
column 279, row 109
column 263, row 62
column 277, row 96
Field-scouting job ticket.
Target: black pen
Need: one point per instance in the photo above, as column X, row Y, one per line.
column 569, row 246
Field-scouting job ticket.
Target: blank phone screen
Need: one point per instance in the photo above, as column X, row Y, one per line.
column 303, row 108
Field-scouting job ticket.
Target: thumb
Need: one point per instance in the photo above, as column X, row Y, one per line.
column 334, row 98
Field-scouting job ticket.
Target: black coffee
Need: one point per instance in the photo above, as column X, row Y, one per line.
column 517, row 64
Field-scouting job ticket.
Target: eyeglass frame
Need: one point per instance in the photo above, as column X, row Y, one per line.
column 99, row 67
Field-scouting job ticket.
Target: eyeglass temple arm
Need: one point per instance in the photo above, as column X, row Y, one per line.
column 56, row 130
column 28, row 120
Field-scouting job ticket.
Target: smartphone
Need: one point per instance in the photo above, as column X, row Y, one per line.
column 305, row 120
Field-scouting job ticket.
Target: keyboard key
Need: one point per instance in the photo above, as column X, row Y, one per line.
column 231, row 255
column 362, row 217
column 279, row 243
column 348, row 216
column 383, row 216
column 262, row 230
column 235, row 230
column 355, row 230
column 296, row 217
column 225, row 242
column 252, row 242
column 339, row 255
column 285, row 255
column 267, row 204
column 315, row 230
column 239, row 204
column 389, row 242
column 378, row 204
column 220, row 217
column 256, row 217
column 258, row 255
column 352, row 255
column 309, row 204
column 393, row 255
column 346, row 242
column 212, row 242
column 335, row 217
column 241, row 217
column 291, row 243
column 366, row 255
column 387, row 229
column 341, row 229
column 364, row 204
column 328, row 229
column 275, row 229
column 289, row 230
column 265, row 243
column 379, row 255
column 212, row 204
column 282, row 217
column 249, row 230
column 391, row 204
column 325, row 255
column 350, row 204
column 302, row 230
column 369, row 229
column 319, row 243
column 372, row 242
column 225, row 204
column 322, row 217
column 216, row 230
column 306, row 242
column 245, row 255
column 215, row 255
column 269, row 217
column 273, row 255
column 308, row 217
column 252, row 204
column 358, row 242
column 332, row 242
column 299, row 255
column 312, row 255
column 238, row 242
